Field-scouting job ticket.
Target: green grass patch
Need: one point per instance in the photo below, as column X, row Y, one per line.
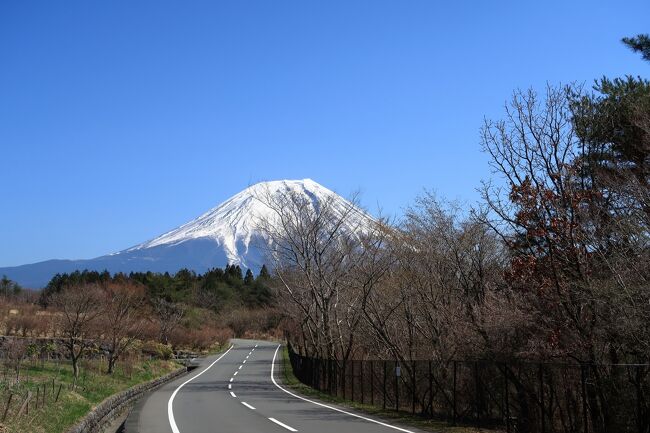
column 405, row 418
column 49, row 415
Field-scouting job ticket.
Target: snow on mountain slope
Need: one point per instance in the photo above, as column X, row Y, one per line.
column 233, row 224
column 226, row 234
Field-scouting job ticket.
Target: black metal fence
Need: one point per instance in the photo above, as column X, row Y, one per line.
column 519, row 397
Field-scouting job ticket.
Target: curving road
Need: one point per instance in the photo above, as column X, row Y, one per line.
column 239, row 392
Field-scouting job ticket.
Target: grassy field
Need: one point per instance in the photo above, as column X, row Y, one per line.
column 403, row 418
column 51, row 415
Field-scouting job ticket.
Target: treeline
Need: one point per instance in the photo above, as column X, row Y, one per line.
column 552, row 266
column 215, row 289
column 90, row 312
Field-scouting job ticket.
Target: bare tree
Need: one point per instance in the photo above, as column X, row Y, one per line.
column 78, row 310
column 169, row 315
column 14, row 351
column 575, row 229
column 122, row 324
column 315, row 247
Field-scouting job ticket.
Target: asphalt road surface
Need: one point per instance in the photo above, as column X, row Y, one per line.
column 240, row 391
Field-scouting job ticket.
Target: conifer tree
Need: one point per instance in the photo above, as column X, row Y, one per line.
column 249, row 279
column 264, row 274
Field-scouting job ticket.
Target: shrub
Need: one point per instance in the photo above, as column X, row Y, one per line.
column 157, row 350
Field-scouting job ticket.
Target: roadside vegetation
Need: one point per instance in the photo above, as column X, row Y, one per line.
column 403, row 418
column 45, row 397
column 551, row 268
column 91, row 334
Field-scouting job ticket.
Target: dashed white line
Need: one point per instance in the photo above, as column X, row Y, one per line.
column 282, row 424
column 244, row 362
column 247, row 405
column 229, row 386
column 232, row 394
column 240, row 367
column 235, row 373
column 170, row 410
column 232, row 378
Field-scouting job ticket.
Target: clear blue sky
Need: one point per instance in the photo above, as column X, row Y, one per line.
column 120, row 120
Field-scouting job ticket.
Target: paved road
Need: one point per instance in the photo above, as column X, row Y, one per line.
column 236, row 393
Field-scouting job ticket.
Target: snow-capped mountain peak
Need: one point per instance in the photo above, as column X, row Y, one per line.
column 234, row 223
column 226, row 234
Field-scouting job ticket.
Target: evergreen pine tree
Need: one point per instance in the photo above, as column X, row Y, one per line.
column 639, row 44
column 249, row 279
column 264, row 274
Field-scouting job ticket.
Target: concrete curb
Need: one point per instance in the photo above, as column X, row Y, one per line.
column 106, row 411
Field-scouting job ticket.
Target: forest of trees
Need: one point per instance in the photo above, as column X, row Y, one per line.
column 214, row 289
column 552, row 266
column 88, row 311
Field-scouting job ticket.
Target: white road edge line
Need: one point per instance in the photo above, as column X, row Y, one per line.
column 170, row 410
column 282, row 424
column 247, row 405
column 233, row 394
column 324, row 405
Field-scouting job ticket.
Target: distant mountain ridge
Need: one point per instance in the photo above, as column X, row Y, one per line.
column 226, row 234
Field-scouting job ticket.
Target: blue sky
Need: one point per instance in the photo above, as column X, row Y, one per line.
column 120, row 120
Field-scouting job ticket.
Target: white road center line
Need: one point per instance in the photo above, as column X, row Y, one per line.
column 232, row 378
column 235, row 373
column 240, row 367
column 170, row 403
column 282, row 424
column 324, row 405
column 244, row 362
column 247, row 405
column 232, row 394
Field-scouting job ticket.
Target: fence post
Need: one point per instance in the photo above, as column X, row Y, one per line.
column 352, row 380
column 329, row 375
column 583, row 376
column 58, row 392
column 4, row 415
column 506, row 394
column 637, row 385
column 413, row 393
column 430, row 390
column 361, row 380
column 343, row 381
column 477, row 397
column 25, row 404
column 372, row 383
column 384, row 385
column 396, row 389
column 541, row 396
column 454, row 409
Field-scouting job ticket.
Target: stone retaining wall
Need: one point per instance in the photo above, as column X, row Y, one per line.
column 112, row 407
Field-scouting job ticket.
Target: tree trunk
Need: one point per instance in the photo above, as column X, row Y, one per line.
column 111, row 362
column 75, row 368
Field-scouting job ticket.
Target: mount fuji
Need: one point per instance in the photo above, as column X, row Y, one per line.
column 226, row 234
